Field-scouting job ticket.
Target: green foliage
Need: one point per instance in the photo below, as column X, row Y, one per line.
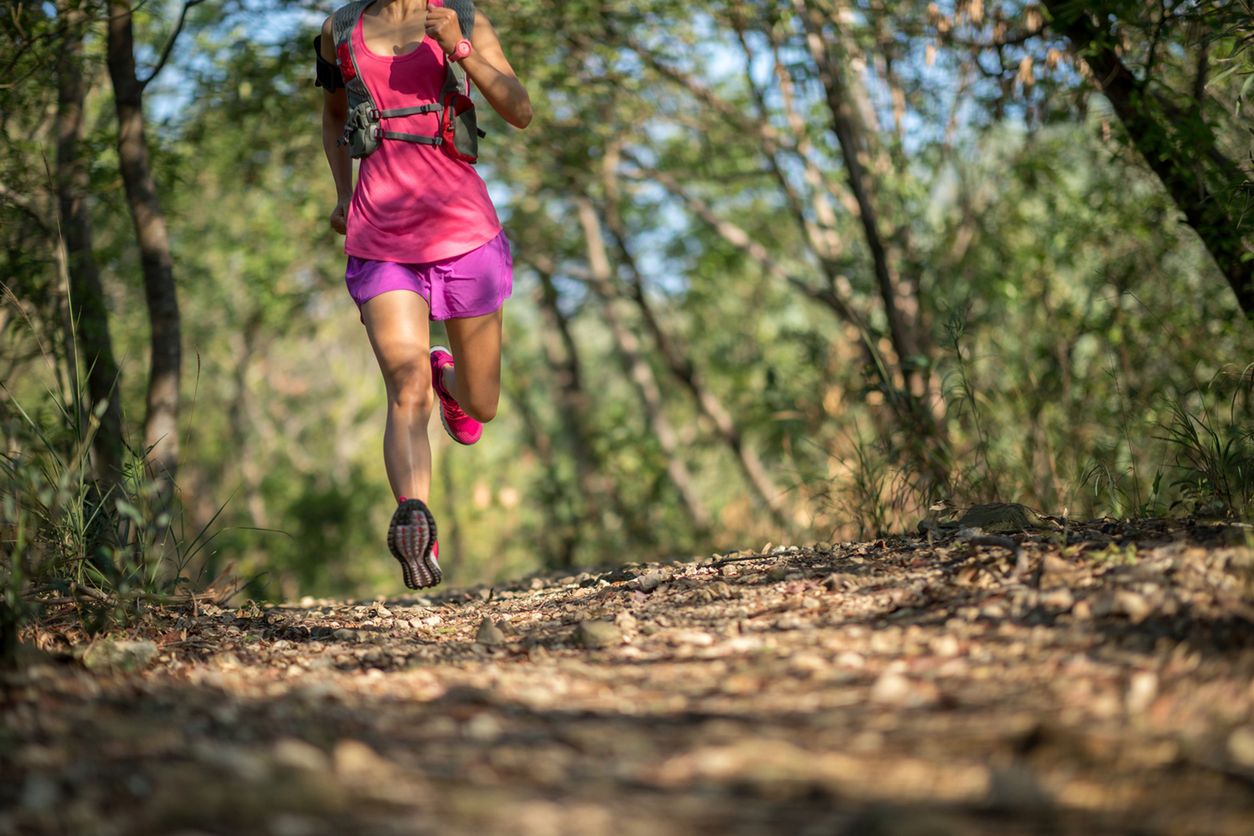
column 1213, row 461
column 1070, row 325
column 66, row 538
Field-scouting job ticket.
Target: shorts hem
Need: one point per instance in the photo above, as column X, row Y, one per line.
column 484, row 311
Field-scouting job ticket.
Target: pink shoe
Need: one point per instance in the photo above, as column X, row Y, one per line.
column 411, row 539
column 461, row 427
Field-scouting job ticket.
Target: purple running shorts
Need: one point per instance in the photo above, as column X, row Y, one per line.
column 471, row 284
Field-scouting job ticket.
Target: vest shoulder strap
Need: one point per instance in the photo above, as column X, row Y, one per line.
column 455, row 79
column 345, row 18
column 343, row 21
column 465, row 14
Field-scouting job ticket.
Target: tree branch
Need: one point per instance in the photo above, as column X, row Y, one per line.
column 169, row 45
column 26, row 205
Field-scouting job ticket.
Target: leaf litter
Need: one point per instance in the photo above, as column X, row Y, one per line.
column 1083, row 678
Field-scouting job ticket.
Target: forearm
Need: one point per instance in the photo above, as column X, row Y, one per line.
column 338, row 158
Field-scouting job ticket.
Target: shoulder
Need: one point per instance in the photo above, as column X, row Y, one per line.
column 326, row 42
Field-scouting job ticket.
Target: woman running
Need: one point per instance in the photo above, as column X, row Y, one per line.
column 422, row 236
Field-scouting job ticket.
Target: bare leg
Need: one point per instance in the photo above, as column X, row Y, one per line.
column 397, row 324
column 476, row 346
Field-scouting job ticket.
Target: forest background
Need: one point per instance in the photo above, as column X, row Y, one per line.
column 799, row 271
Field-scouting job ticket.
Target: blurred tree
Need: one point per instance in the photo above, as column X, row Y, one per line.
column 1167, row 123
column 161, row 431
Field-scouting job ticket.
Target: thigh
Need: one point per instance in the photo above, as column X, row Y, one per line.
column 397, row 324
column 476, row 345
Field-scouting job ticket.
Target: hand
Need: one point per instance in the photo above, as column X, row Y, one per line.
column 339, row 217
column 443, row 26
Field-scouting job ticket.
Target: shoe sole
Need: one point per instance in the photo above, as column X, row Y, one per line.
column 409, row 539
column 444, row 420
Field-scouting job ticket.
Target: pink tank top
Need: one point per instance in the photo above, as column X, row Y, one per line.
column 413, row 203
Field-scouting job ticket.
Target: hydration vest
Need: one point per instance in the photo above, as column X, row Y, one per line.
column 458, row 134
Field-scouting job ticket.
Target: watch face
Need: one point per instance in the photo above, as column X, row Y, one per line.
column 462, row 49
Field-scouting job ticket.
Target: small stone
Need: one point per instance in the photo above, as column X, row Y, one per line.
column 40, row 793
column 489, row 633
column 1132, row 605
column 382, row 611
column 650, row 581
column 1058, row 599
column 777, row 574
column 483, row 727
column 693, row 637
column 345, row 635
column 807, row 664
column 1241, row 746
column 1016, row 788
column 1082, row 610
column 299, row 755
column 352, row 757
column 1142, row 689
column 1054, row 565
column 120, row 656
column 849, row 659
column 891, row 688
column 597, row 634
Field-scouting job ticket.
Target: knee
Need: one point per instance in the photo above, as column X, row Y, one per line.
column 409, row 387
column 481, row 407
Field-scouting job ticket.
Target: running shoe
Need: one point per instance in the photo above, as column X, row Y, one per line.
column 412, row 541
column 461, row 427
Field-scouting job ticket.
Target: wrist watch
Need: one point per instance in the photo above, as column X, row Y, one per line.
column 460, row 51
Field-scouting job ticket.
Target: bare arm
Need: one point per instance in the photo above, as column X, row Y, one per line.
column 486, row 65
column 334, row 116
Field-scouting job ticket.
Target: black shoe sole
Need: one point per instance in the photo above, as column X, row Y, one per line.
column 410, row 538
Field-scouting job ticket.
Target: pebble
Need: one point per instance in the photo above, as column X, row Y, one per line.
column 1058, row 599
column 489, row 633
column 1142, row 689
column 650, row 581
column 299, row 755
column 1241, row 746
column 1132, row 605
column 352, row 757
column 597, row 634
column 40, row 793
column 117, row 655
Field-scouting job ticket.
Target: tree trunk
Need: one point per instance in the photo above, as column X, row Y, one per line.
column 637, row 366
column 562, row 354
column 1179, row 146
column 682, row 368
column 899, row 297
column 161, row 440
column 87, row 302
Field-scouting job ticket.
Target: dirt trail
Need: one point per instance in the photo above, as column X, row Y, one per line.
column 1099, row 680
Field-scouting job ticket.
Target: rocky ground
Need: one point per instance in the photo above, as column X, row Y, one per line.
column 1072, row 679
